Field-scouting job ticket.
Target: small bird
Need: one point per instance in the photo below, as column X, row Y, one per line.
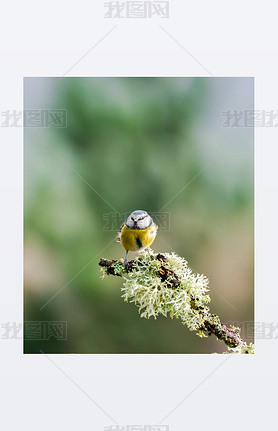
column 137, row 232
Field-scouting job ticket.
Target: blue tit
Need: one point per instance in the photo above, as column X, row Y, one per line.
column 137, row 232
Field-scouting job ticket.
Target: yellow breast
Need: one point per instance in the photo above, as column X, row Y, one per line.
column 137, row 239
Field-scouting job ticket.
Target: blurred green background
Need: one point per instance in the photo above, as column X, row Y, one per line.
column 156, row 144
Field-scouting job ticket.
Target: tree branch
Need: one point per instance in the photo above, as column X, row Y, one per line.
column 211, row 323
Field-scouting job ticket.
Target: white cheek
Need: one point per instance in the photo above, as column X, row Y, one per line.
column 143, row 224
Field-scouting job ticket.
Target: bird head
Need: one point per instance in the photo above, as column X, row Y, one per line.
column 138, row 220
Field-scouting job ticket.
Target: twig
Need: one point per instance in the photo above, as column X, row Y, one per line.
column 211, row 323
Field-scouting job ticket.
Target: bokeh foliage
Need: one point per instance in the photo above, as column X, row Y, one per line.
column 135, row 143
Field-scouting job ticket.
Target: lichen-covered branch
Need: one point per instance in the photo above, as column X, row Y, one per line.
column 162, row 283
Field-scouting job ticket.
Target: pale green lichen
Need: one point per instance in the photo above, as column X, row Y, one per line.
column 249, row 349
column 145, row 288
column 163, row 284
column 103, row 271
